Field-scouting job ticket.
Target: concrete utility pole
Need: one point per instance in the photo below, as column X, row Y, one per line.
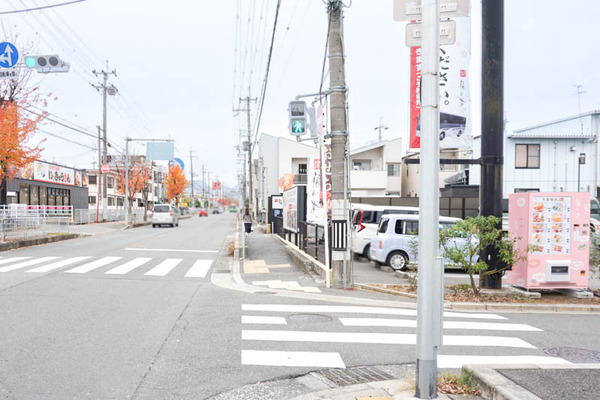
column 192, row 175
column 429, row 300
column 99, row 179
column 203, row 182
column 106, row 90
column 342, row 270
column 247, row 99
column 492, row 129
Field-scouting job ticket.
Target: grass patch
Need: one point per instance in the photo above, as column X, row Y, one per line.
column 457, row 384
column 230, row 249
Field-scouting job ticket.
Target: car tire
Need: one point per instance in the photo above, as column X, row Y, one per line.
column 154, row 225
column 398, row 260
column 367, row 252
column 442, row 135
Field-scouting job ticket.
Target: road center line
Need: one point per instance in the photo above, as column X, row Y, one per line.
column 174, row 250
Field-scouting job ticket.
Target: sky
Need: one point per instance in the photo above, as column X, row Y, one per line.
column 183, row 66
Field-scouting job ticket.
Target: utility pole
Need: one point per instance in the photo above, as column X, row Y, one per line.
column 342, row 271
column 380, row 127
column 247, row 99
column 106, row 90
column 192, row 175
column 202, row 205
column 492, row 129
column 99, row 180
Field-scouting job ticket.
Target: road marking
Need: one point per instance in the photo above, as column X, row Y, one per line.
column 129, row 266
column 82, row 269
column 174, row 250
column 292, row 359
column 404, row 323
column 250, row 319
column 287, row 285
column 199, row 269
column 27, row 263
column 164, row 267
column 58, row 264
column 357, row 310
column 380, row 338
column 444, row 361
column 13, row 259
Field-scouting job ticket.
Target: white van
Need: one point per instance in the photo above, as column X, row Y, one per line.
column 365, row 220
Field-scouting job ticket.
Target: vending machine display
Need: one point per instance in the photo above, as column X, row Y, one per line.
column 553, row 230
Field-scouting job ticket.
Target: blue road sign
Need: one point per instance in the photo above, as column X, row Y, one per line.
column 8, row 55
column 177, row 161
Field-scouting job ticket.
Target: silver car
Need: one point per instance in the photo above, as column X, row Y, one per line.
column 165, row 214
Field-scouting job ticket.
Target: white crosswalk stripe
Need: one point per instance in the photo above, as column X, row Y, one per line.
column 28, row 263
column 58, row 264
column 12, row 259
column 82, row 269
column 164, row 267
column 199, row 269
column 267, row 347
column 129, row 266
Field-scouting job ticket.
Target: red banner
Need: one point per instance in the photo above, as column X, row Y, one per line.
column 415, row 95
column 216, row 185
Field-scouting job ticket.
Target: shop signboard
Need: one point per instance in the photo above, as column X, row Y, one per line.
column 290, row 209
column 44, row 172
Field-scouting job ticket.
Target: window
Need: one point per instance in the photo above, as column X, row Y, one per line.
column 91, row 199
column 398, row 227
column 361, row 165
column 525, row 190
column 120, row 201
column 383, row 226
column 393, row 169
column 111, row 201
column 527, row 156
column 302, row 169
column 92, row 179
column 110, row 182
column 412, row 227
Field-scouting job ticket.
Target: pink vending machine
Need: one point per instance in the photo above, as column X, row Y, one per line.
column 556, row 227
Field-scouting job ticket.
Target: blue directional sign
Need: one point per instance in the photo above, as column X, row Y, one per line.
column 8, row 55
column 177, row 161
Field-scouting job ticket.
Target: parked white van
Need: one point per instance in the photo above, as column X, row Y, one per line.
column 391, row 244
column 365, row 220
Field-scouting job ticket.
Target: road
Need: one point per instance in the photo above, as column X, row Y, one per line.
column 141, row 314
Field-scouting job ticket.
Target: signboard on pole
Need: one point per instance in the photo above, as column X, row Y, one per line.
column 410, row 10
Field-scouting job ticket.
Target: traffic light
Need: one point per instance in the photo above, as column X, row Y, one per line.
column 298, row 117
column 47, row 64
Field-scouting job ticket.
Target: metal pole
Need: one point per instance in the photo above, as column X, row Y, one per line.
column 337, row 110
column 99, row 180
column 492, row 135
column 192, row 175
column 105, row 149
column 127, row 181
column 429, row 266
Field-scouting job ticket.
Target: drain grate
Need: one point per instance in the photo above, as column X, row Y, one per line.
column 353, row 376
column 574, row 355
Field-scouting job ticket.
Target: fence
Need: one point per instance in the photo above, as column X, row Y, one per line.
column 87, row 216
column 24, row 228
column 310, row 238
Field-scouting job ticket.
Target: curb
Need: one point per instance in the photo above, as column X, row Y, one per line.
column 311, row 266
column 37, row 241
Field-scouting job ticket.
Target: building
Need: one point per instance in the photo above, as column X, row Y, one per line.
column 49, row 185
column 376, row 169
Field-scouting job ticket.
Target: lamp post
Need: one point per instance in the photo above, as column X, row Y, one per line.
column 581, row 162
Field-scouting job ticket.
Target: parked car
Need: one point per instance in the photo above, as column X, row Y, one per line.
column 365, row 220
column 392, row 243
column 165, row 214
column 203, row 213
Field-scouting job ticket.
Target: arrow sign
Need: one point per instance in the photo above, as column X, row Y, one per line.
column 8, row 55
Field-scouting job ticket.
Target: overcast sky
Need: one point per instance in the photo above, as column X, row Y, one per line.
column 183, row 65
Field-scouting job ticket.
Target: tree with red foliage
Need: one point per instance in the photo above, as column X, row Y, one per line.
column 175, row 183
column 139, row 176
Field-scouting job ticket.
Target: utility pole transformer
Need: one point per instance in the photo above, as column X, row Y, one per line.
column 342, row 272
column 106, row 90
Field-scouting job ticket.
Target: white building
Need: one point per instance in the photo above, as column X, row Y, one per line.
column 376, row 169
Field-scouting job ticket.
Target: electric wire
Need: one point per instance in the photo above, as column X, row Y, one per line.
column 41, row 8
column 44, row 132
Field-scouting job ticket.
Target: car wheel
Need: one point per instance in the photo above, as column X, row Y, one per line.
column 442, row 135
column 154, row 225
column 398, row 260
column 367, row 252
column 177, row 224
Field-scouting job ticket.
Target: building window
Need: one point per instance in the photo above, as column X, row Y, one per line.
column 120, row 201
column 393, row 169
column 111, row 201
column 527, row 156
column 92, row 179
column 361, row 165
column 525, row 190
column 302, row 169
column 110, row 182
column 91, row 199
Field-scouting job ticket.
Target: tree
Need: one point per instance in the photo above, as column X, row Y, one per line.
column 175, row 183
column 479, row 232
column 139, row 176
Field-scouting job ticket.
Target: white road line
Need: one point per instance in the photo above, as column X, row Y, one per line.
column 250, row 319
column 13, row 259
column 444, row 361
column 27, row 263
column 174, row 250
column 379, row 338
column 129, row 266
column 199, row 269
column 292, row 359
column 356, row 310
column 164, row 267
column 58, row 264
column 405, row 323
column 82, row 269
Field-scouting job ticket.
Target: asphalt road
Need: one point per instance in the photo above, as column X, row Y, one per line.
column 139, row 318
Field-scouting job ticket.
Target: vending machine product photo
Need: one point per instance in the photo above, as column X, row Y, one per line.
column 553, row 231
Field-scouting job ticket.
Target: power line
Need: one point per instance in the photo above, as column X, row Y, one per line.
column 66, row 139
column 41, row 8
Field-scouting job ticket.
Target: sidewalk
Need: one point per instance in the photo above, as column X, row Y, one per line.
column 275, row 264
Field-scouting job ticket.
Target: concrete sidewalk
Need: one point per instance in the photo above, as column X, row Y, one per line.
column 281, row 262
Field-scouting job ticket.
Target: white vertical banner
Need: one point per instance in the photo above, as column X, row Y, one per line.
column 315, row 213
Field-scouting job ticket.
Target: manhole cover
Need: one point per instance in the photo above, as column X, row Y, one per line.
column 309, row 318
column 353, row 376
column 574, row 355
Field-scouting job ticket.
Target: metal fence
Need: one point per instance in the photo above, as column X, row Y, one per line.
column 24, row 228
column 87, row 216
column 310, row 238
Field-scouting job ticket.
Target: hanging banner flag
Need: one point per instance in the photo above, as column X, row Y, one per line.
column 216, row 185
column 455, row 98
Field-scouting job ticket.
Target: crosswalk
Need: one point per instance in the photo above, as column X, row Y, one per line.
column 107, row 265
column 271, row 338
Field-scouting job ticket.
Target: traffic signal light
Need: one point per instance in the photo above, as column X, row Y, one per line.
column 298, row 117
column 47, row 64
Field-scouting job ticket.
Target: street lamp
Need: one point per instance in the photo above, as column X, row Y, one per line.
column 581, row 162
